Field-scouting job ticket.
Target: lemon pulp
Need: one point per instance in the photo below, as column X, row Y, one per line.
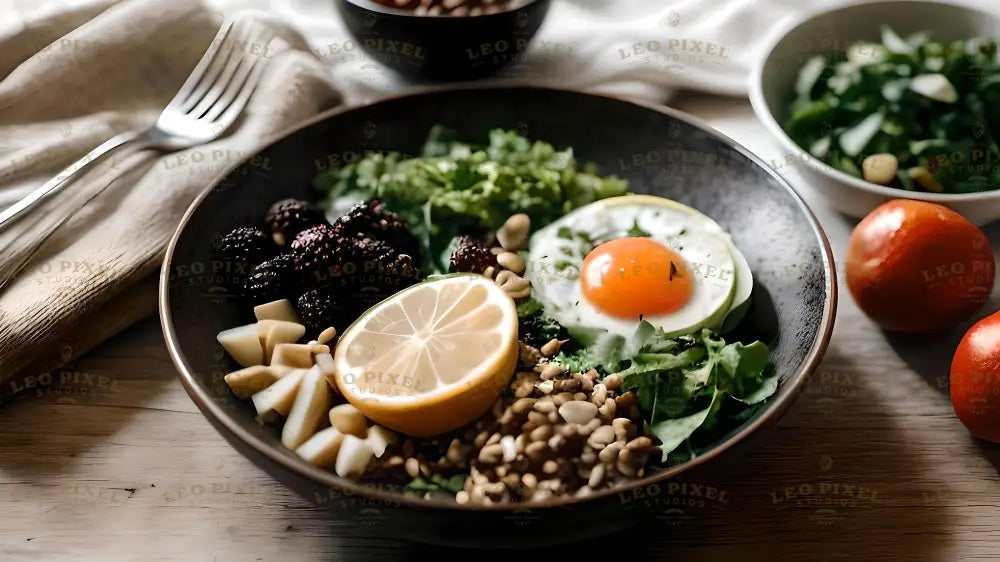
column 432, row 357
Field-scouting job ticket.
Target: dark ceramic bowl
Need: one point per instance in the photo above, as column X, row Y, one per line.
column 442, row 47
column 660, row 150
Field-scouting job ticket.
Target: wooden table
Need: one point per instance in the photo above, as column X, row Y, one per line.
column 113, row 461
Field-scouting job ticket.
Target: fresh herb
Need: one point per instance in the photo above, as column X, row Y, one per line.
column 637, row 232
column 437, row 483
column 934, row 106
column 681, row 384
column 456, row 188
column 534, row 327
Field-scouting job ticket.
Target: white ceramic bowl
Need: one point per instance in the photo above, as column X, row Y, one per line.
column 831, row 30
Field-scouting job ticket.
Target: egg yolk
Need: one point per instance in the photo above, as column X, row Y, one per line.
column 629, row 277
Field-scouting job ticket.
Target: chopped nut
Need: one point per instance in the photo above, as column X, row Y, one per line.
column 412, row 467
column 512, row 262
column 512, row 284
column 578, row 411
column 522, row 405
column 327, row 335
column 490, row 454
column 601, row 437
column 513, row 234
column 880, row 168
column 551, row 370
column 541, row 433
column 551, row 347
column 612, row 382
column 624, row 429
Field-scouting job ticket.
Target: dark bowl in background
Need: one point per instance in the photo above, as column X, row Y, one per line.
column 441, row 48
column 659, row 150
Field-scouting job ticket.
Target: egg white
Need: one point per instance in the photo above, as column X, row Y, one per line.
column 558, row 250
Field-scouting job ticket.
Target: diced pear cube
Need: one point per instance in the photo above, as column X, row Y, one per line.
column 321, row 449
column 312, row 401
column 276, row 400
column 379, row 439
column 275, row 332
column 242, row 345
column 277, row 310
column 352, row 460
column 349, row 420
column 250, row 380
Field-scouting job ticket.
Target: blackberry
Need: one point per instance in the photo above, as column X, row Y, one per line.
column 373, row 220
column 244, row 248
column 322, row 256
column 288, row 217
column 471, row 256
column 320, row 308
column 314, row 250
column 272, row 280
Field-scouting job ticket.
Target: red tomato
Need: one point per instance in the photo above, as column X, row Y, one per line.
column 918, row 267
column 975, row 379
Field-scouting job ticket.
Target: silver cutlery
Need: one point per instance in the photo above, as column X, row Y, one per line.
column 206, row 106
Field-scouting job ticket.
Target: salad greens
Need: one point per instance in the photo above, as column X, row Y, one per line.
column 456, row 188
column 437, row 482
column 684, row 386
column 934, row 106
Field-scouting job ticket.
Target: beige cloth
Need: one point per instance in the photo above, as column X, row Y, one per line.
column 71, row 80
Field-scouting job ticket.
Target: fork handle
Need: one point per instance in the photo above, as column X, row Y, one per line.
column 73, row 171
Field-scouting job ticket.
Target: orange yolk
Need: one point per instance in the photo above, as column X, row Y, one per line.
column 629, row 277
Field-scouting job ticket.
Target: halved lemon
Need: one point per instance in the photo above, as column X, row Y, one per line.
column 432, row 357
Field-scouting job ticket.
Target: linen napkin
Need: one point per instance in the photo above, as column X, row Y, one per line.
column 73, row 74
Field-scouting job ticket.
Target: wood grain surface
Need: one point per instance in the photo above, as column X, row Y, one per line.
column 108, row 459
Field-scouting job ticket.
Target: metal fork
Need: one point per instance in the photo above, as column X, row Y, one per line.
column 206, row 106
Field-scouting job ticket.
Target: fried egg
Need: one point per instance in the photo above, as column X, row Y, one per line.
column 611, row 264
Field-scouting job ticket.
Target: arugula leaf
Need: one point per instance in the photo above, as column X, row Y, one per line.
column 767, row 387
column 742, row 367
column 675, row 431
column 680, row 383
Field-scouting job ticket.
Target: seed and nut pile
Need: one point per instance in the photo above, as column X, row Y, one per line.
column 553, row 433
column 452, row 7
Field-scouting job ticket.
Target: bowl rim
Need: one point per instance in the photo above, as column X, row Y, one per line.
column 372, row 6
column 766, row 116
column 328, row 479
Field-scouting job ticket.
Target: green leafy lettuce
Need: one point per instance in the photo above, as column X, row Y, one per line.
column 456, row 188
column 683, row 385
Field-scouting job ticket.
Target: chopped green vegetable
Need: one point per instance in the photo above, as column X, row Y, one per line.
column 930, row 104
column 456, row 188
column 437, row 483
